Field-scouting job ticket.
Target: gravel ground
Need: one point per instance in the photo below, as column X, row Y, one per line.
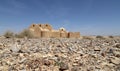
column 51, row 54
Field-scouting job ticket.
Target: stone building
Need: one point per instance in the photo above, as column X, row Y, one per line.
column 46, row 30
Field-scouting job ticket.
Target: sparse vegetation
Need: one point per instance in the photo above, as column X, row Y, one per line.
column 111, row 36
column 9, row 34
column 24, row 33
column 100, row 37
column 87, row 37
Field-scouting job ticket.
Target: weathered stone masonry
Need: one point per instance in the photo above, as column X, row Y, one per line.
column 46, row 30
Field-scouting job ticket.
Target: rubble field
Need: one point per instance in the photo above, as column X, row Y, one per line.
column 65, row 54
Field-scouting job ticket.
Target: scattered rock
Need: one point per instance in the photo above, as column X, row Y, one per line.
column 15, row 48
column 59, row 54
column 116, row 53
column 75, row 69
column 47, row 62
column 23, row 60
column 63, row 66
column 115, row 60
column 97, row 48
column 118, row 45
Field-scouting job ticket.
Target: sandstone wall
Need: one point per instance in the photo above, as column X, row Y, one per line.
column 73, row 34
column 55, row 34
column 63, row 34
column 35, row 30
column 45, row 26
column 46, row 34
column 49, row 27
column 45, row 30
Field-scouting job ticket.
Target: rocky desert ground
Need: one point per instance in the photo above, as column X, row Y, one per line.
column 65, row 54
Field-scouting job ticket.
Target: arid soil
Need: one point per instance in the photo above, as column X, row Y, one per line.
column 51, row 54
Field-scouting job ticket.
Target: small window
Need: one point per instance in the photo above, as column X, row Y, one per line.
column 46, row 25
column 39, row 25
column 33, row 25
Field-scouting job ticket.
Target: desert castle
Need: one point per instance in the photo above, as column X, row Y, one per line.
column 46, row 30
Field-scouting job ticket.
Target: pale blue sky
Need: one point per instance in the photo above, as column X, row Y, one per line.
column 90, row 17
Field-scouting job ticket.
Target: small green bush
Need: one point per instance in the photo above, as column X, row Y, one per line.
column 9, row 34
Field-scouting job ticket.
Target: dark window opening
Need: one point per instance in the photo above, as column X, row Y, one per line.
column 40, row 25
column 46, row 25
column 33, row 25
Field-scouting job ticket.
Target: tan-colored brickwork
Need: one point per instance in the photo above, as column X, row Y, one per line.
column 35, row 30
column 46, row 34
column 55, row 34
column 73, row 34
column 46, row 30
column 63, row 33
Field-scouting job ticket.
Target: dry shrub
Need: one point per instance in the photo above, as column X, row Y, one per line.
column 8, row 34
column 100, row 37
column 25, row 33
column 111, row 36
column 87, row 37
